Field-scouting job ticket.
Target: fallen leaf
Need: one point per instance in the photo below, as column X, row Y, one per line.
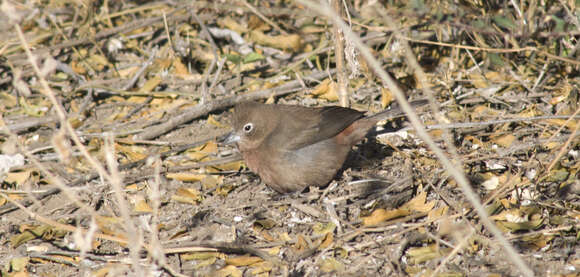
column 186, row 176
column 187, row 196
column 321, row 229
column 292, row 42
column 243, row 260
column 386, row 97
column 381, row 215
column 150, row 85
column 426, row 253
column 418, row 203
column 505, row 140
column 229, row 271
column 331, row 265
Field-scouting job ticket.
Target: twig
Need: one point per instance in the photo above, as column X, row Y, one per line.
column 25, row 124
column 134, row 237
column 563, row 149
column 493, row 122
column 204, row 90
column 226, row 247
column 462, row 244
column 139, row 72
column 342, row 83
column 495, row 50
column 216, row 76
column 261, row 16
column 166, row 26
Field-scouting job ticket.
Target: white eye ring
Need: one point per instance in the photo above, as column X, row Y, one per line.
column 248, row 127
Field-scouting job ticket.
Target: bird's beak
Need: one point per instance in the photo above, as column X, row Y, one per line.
column 231, row 138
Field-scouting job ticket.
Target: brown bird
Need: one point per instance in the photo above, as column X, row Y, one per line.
column 292, row 147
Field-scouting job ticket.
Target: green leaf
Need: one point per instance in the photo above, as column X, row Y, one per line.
column 237, row 59
column 496, row 60
column 253, row 57
column 504, row 22
column 559, row 24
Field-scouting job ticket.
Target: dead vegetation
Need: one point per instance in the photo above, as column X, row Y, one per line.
column 111, row 111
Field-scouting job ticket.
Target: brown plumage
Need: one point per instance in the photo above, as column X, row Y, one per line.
column 292, row 147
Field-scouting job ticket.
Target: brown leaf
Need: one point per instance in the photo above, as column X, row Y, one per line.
column 187, row 196
column 229, row 271
column 331, row 265
column 243, row 260
column 291, row 42
column 381, row 215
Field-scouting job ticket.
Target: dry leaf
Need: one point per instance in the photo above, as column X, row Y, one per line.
column 291, row 42
column 180, row 69
column 327, row 241
column 552, row 145
column 132, row 152
column 261, row 268
column 265, row 223
column 19, row 264
column 386, row 97
column 98, row 62
column 209, row 182
column 478, row 81
column 301, row 244
column 437, row 213
column 327, row 89
column 255, row 23
column 150, row 85
column 141, row 206
column 563, row 122
column 78, row 68
column 523, row 218
column 212, row 121
column 187, row 196
column 44, row 232
column 274, row 251
column 426, row 253
column 321, row 229
column 224, row 189
column 243, row 260
column 232, row 166
column 202, row 152
column 313, row 29
column 505, row 140
column 519, row 226
column 202, row 255
column 232, row 24
column 186, row 176
column 285, row 237
column 331, row 265
column 18, row 178
column 381, row 215
column 229, row 271
column 418, row 203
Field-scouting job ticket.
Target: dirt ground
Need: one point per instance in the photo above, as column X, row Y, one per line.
column 111, row 162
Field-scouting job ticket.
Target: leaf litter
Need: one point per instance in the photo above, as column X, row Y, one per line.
column 160, row 79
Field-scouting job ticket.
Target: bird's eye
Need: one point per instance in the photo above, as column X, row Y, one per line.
column 248, row 127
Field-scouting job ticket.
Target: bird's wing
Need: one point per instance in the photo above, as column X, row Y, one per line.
column 306, row 126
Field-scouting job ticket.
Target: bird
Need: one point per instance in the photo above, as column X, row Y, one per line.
column 292, row 147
